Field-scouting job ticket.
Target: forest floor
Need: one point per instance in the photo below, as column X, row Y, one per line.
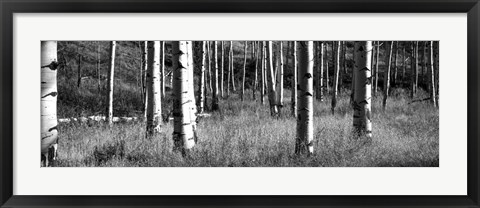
column 244, row 134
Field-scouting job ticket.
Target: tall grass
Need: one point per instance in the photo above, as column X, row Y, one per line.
column 244, row 134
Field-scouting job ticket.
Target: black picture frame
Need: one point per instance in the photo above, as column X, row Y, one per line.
column 9, row 7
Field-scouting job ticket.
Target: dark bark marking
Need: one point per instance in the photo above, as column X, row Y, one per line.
column 52, row 66
column 53, row 94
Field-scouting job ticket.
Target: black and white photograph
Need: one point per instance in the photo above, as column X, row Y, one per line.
column 240, row 103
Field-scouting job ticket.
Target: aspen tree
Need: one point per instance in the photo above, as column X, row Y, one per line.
column 162, row 61
column 244, row 68
column 111, row 69
column 191, row 94
column 316, row 68
column 231, row 66
column 320, row 81
column 183, row 130
column 279, row 76
column 404, row 64
column 215, row 78
column 304, row 140
column 144, row 80
column 395, row 68
column 221, row 69
column 229, row 76
column 201, row 88
column 432, row 76
column 271, row 80
column 327, row 86
column 363, row 89
column 414, row 69
column 416, row 66
column 386, row 80
column 262, row 70
column 49, row 131
column 336, row 68
column 294, row 80
column 255, row 57
column 209, row 58
column 373, row 64
column 154, row 106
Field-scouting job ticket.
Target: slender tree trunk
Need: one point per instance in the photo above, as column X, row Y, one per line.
column 229, row 76
column 432, row 76
column 183, row 130
column 376, row 68
column 244, row 68
column 363, row 90
column 162, row 62
column 335, row 76
column 201, row 88
column 436, row 48
column 271, row 80
column 191, row 88
column 144, row 80
column 304, row 140
column 327, row 86
column 316, row 67
column 255, row 83
column 231, row 66
column 154, row 106
column 49, row 131
column 111, row 70
column 423, row 63
column 279, row 77
column 344, row 54
column 321, row 83
column 221, row 70
column 294, row 81
column 262, row 70
column 373, row 65
column 209, row 55
column 386, row 80
column 414, row 68
column 215, row 78
column 395, row 68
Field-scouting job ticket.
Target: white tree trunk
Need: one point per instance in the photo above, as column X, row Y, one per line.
column 231, row 66
column 386, row 80
column 416, row 66
column 154, row 106
column 183, row 135
column 271, row 80
column 262, row 70
column 214, row 78
column 433, row 99
column 201, row 88
column 279, row 76
column 363, row 89
column 322, row 89
column 255, row 57
column 294, row 81
column 111, row 70
column 191, row 88
column 144, row 80
column 336, row 70
column 49, row 131
column 222, row 71
column 229, row 74
column 244, row 68
column 376, row 68
column 304, row 140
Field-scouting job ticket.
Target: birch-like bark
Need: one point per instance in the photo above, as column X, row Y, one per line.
column 433, row 99
column 209, row 72
column 214, row 78
column 229, row 74
column 231, row 66
column 244, row 68
column 321, row 83
column 279, row 77
column 336, row 70
column 153, row 87
column 304, row 140
column 191, row 88
column 201, row 88
column 144, row 80
column 386, row 80
column 294, row 81
column 271, row 80
column 414, row 69
column 48, row 125
column 362, row 99
column 416, row 66
column 327, row 86
column 222, row 69
column 183, row 135
column 262, row 70
column 111, row 69
column 395, row 64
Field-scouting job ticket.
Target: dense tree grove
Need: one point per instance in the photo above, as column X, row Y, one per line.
column 184, row 81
